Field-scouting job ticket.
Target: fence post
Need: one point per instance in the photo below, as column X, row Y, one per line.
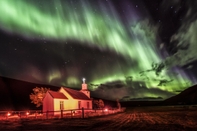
column 61, row 113
column 71, row 114
column 7, row 115
column 47, row 114
column 19, row 114
column 82, row 112
column 26, row 114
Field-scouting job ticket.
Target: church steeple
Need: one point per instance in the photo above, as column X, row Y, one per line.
column 84, row 88
column 84, row 85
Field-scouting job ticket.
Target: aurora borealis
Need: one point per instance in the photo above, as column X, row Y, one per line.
column 125, row 49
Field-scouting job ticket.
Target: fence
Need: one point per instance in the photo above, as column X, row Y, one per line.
column 74, row 113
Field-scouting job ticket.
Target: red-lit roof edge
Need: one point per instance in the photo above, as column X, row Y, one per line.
column 76, row 94
column 59, row 95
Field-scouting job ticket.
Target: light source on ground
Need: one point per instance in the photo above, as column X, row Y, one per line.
column 8, row 114
column 106, row 109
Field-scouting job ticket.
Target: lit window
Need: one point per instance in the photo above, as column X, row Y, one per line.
column 61, row 105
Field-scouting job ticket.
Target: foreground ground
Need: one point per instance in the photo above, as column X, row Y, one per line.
column 133, row 119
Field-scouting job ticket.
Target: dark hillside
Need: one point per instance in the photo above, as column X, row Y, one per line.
column 186, row 97
column 14, row 94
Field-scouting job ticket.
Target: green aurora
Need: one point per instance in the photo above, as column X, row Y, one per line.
column 134, row 39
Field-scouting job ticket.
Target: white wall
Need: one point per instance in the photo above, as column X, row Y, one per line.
column 57, row 105
column 73, row 103
column 48, row 103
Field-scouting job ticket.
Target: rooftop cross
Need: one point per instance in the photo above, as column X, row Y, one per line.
column 83, row 80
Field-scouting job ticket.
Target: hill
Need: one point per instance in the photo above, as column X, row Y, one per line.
column 14, row 94
column 186, row 97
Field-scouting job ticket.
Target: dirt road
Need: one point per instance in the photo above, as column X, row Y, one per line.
column 134, row 119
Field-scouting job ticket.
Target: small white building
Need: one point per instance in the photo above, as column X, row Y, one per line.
column 67, row 99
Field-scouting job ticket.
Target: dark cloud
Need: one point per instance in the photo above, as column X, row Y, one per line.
column 134, row 90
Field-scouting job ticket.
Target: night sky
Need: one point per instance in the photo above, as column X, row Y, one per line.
column 125, row 49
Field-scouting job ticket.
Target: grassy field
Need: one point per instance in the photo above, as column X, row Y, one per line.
column 170, row 118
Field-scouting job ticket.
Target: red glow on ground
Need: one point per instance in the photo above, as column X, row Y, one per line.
column 8, row 114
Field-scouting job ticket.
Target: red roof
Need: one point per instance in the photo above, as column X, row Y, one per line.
column 57, row 95
column 76, row 94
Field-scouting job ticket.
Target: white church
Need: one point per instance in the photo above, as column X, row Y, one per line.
column 67, row 99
